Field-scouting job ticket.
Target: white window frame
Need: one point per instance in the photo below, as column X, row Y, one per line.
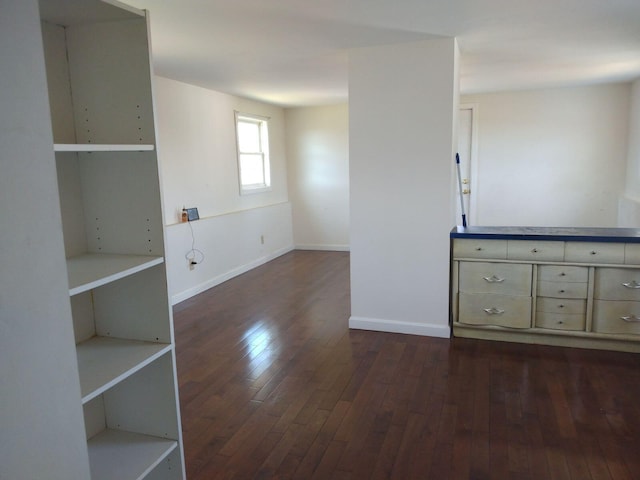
column 263, row 152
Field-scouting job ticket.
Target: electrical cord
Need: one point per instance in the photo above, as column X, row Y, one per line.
column 194, row 256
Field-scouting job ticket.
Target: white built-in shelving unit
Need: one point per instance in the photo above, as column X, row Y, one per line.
column 99, row 82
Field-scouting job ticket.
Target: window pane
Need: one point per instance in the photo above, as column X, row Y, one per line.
column 248, row 136
column 251, row 172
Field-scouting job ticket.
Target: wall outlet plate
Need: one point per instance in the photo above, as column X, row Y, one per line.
column 192, row 214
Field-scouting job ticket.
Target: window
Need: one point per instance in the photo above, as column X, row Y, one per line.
column 253, row 153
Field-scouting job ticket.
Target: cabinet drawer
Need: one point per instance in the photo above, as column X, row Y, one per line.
column 632, row 253
column 617, row 284
column 535, row 250
column 560, row 321
column 563, row 273
column 561, row 306
column 500, row 278
column 470, row 248
column 562, row 289
column 588, row 252
column 616, row 317
column 500, row 310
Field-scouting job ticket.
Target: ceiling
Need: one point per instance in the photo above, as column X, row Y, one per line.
column 295, row 52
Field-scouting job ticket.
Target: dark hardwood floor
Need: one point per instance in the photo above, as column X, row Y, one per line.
column 274, row 385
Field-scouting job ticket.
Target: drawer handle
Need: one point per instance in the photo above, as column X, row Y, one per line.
column 535, row 250
column 631, row 284
column 560, row 291
column 493, row 279
column 593, row 252
column 631, row 319
column 561, row 306
column 478, row 249
column 493, row 311
column 562, row 274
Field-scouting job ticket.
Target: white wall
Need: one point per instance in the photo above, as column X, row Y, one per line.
column 41, row 425
column 629, row 207
column 198, row 166
column 318, row 169
column 231, row 244
column 402, row 107
column 552, row 157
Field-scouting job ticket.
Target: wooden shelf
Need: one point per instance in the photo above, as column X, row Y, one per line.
column 89, row 147
column 104, row 361
column 116, row 455
column 92, row 270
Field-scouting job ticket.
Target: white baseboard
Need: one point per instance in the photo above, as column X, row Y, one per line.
column 392, row 326
column 186, row 294
column 324, row 247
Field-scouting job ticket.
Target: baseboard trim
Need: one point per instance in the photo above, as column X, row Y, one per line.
column 393, row 326
column 217, row 280
column 324, row 247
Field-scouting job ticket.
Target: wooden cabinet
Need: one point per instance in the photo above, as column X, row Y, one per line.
column 578, row 290
column 99, row 85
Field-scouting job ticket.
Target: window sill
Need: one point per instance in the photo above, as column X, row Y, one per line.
column 253, row 190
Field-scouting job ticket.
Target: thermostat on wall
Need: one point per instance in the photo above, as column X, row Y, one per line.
column 192, row 214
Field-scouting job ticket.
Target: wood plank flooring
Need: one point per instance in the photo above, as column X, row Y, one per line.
column 274, row 385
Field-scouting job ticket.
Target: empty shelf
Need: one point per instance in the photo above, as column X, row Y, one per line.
column 117, row 455
column 104, row 361
column 89, row 147
column 95, row 269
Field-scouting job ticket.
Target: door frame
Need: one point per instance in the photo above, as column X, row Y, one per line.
column 474, row 159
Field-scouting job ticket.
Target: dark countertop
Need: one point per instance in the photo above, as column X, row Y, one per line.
column 613, row 235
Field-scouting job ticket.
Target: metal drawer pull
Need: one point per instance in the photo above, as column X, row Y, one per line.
column 593, row 252
column 631, row 284
column 535, row 250
column 631, row 319
column 478, row 249
column 493, row 311
column 493, row 279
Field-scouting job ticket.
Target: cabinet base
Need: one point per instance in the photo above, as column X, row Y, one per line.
column 547, row 337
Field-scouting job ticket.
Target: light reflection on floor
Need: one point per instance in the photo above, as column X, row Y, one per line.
column 260, row 347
